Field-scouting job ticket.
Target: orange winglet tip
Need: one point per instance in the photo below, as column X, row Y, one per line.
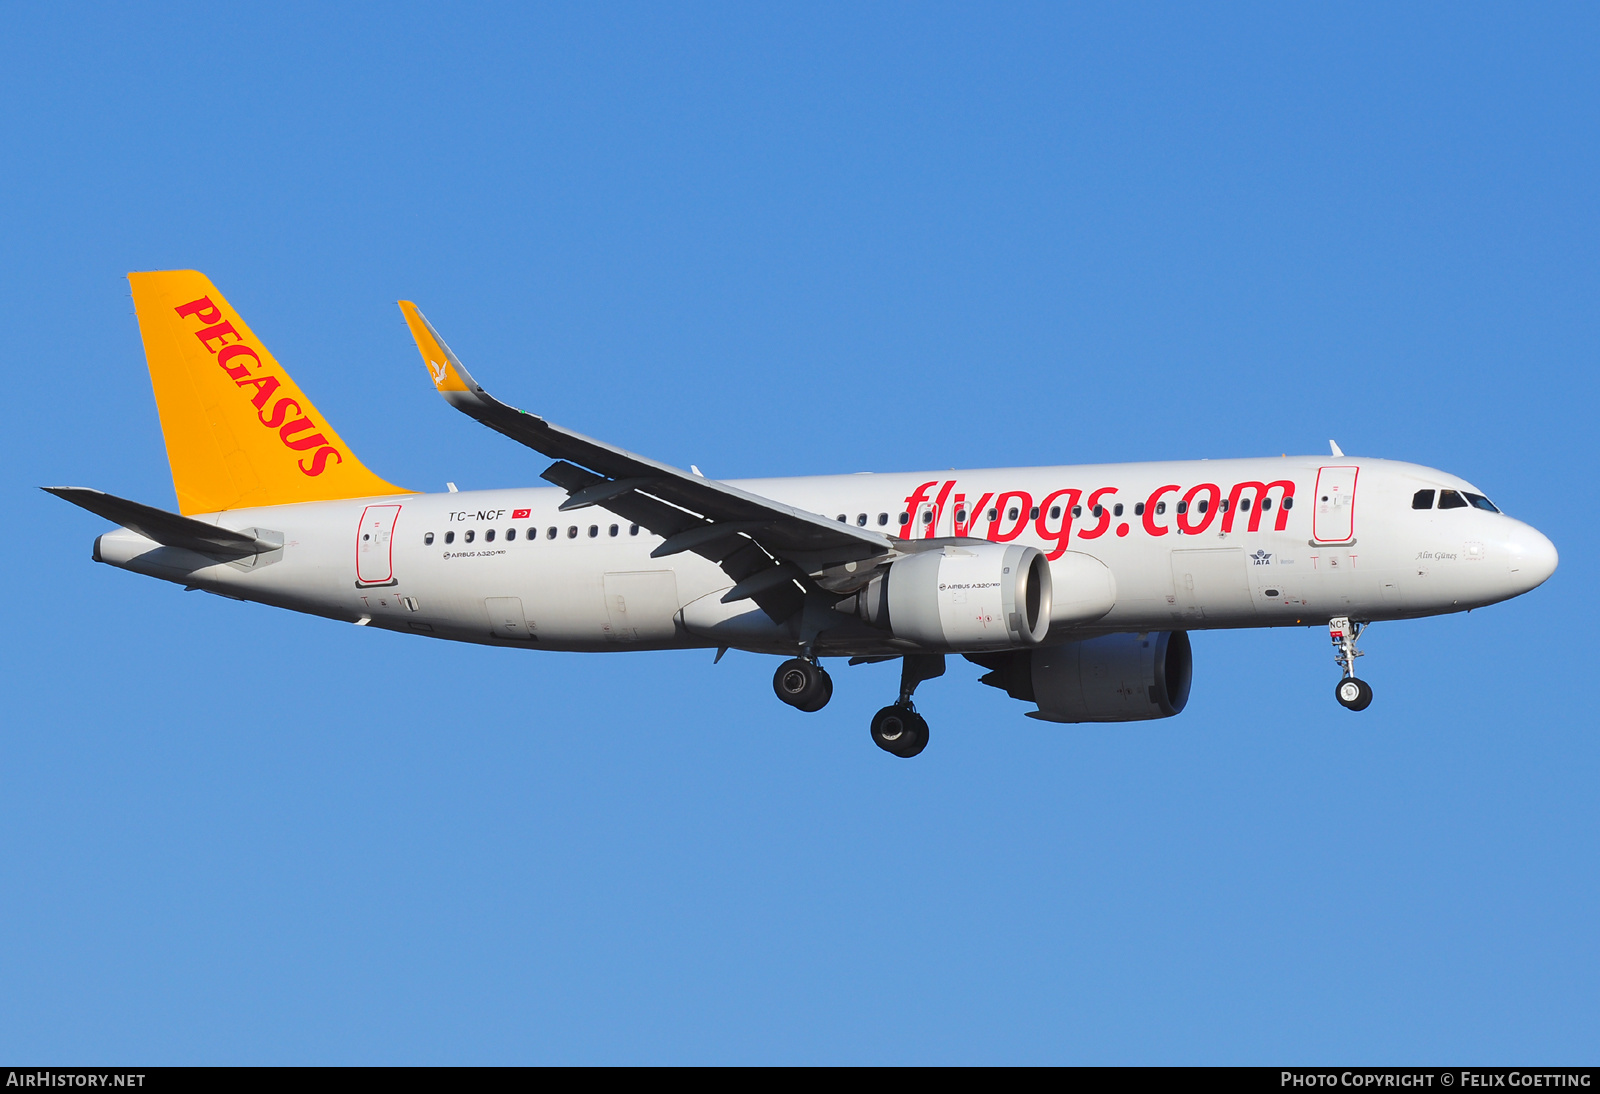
column 443, row 366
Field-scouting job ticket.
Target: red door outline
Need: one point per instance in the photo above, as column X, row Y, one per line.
column 375, row 545
column 1338, row 514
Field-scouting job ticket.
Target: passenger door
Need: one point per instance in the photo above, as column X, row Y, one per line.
column 1334, row 507
column 375, row 546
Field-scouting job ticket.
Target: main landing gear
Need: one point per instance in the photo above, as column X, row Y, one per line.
column 803, row 684
column 1352, row 694
column 898, row 728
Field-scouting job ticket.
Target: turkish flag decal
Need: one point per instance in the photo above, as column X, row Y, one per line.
column 521, row 514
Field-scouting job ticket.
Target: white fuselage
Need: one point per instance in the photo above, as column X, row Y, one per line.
column 505, row 567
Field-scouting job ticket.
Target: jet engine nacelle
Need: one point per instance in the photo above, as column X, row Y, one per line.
column 986, row 596
column 1114, row 678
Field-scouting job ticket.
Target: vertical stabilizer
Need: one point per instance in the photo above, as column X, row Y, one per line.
column 239, row 431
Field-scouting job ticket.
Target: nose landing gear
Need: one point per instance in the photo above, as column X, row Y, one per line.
column 898, row 729
column 1353, row 694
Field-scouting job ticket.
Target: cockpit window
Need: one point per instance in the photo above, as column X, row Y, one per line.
column 1480, row 502
column 1422, row 499
column 1449, row 499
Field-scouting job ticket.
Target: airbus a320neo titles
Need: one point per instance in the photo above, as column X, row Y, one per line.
column 1075, row 587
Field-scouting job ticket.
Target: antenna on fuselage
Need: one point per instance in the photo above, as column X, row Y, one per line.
column 1333, row 446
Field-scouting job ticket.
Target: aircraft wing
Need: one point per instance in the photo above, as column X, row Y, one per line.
column 764, row 545
column 165, row 528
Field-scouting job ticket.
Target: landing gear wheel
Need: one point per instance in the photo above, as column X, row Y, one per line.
column 821, row 700
column 1353, row 694
column 899, row 730
column 802, row 684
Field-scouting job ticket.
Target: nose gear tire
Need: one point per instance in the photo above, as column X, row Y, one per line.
column 1353, row 694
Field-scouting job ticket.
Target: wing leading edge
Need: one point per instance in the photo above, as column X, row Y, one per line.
column 765, row 546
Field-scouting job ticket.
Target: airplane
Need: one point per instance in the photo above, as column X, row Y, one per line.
column 1075, row 587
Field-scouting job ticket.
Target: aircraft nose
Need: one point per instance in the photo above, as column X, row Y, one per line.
column 1533, row 557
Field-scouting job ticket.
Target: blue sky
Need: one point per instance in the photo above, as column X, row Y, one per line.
column 778, row 241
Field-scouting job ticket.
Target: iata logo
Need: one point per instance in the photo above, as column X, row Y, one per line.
column 1262, row 558
column 298, row 434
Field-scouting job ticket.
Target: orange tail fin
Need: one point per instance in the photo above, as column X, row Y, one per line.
column 239, row 431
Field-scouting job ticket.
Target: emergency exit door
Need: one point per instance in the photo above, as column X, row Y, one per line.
column 375, row 546
column 1334, row 507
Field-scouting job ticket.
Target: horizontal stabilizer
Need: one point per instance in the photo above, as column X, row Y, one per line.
column 165, row 528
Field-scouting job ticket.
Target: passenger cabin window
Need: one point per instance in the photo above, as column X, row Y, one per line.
column 1422, row 499
column 488, row 537
column 1116, row 510
column 449, row 537
column 615, row 529
column 1183, row 507
column 861, row 520
column 883, row 518
column 994, row 514
column 1138, row 509
column 594, row 530
column 1055, row 512
column 572, row 531
column 1288, row 503
column 533, row 533
column 927, row 516
column 1033, row 514
column 961, row 516
column 1480, row 502
column 1161, row 507
column 470, row 534
column 633, row 529
column 428, row 539
column 841, row 519
column 905, row 518
column 1244, row 505
column 511, row 533
column 551, row 534
column 1098, row 511
column 1449, row 499
column 1077, row 511
column 1266, row 503
column 1012, row 513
